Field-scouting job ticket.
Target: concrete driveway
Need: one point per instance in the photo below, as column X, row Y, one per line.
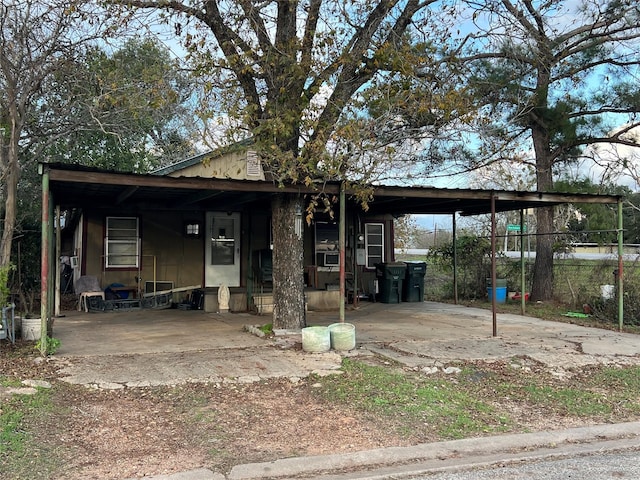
column 152, row 347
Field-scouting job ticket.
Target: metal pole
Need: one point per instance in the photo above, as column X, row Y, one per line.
column 455, row 261
column 522, row 266
column 493, row 265
column 44, row 264
column 56, row 271
column 620, row 267
column 341, row 246
column 52, row 266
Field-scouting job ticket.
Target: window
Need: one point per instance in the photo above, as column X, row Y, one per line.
column 121, row 244
column 327, row 248
column 374, row 243
column 223, row 243
column 192, row 229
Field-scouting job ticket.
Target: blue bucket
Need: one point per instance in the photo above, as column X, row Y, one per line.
column 501, row 294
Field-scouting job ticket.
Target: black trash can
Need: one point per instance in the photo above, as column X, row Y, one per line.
column 413, row 287
column 390, row 278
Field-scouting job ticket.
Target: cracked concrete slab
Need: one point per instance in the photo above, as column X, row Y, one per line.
column 135, row 349
column 211, row 366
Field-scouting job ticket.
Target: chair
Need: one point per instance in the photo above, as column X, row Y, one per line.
column 87, row 286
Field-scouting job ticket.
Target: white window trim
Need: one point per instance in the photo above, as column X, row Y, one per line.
column 108, row 242
column 367, row 243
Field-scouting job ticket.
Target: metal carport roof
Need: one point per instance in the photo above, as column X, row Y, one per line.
column 73, row 186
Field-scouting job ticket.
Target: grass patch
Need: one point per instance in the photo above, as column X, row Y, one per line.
column 624, row 380
column 21, row 457
column 9, row 382
column 481, row 400
column 437, row 404
column 622, row 386
column 570, row 401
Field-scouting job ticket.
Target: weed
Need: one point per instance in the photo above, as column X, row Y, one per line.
column 52, row 345
column 267, row 329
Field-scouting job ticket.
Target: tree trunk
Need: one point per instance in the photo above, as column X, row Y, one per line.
column 11, row 177
column 288, row 268
column 542, row 288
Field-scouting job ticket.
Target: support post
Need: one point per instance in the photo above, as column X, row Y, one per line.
column 620, row 267
column 341, row 247
column 44, row 263
column 455, row 260
column 522, row 266
column 56, row 271
column 493, row 265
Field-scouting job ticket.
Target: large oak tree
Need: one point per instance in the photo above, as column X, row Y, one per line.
column 292, row 69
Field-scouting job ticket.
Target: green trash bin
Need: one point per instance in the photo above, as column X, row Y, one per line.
column 390, row 278
column 413, row 287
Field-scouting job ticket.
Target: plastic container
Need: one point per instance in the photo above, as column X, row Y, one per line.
column 31, row 329
column 501, row 294
column 343, row 336
column 413, row 286
column 608, row 292
column 316, row 339
column 390, row 278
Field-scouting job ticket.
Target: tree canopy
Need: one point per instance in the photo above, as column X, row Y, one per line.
column 290, row 73
column 549, row 78
column 65, row 97
column 128, row 108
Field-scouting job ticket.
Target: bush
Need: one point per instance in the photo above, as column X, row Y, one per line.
column 473, row 266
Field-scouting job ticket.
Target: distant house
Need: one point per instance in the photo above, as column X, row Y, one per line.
column 206, row 222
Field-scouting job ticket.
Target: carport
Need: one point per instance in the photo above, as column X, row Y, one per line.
column 469, row 202
column 67, row 186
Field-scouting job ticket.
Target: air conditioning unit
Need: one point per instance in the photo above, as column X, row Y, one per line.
column 331, row 259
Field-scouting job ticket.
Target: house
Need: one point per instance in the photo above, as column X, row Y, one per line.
column 202, row 223
column 205, row 222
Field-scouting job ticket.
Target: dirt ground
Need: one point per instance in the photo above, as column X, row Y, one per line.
column 138, row 432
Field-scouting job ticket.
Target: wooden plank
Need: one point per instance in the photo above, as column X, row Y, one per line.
column 179, row 289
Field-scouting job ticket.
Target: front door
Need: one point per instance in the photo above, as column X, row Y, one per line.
column 222, row 255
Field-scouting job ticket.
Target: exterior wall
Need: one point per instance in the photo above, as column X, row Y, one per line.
column 169, row 255
column 328, row 278
column 177, row 258
column 92, row 250
column 630, row 249
column 165, row 250
column 232, row 166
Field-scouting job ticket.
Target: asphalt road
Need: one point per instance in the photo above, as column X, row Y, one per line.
column 607, row 466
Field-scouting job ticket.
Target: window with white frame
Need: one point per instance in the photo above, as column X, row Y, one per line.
column 374, row 243
column 121, row 243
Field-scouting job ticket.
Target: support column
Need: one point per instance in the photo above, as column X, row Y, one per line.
column 455, row 260
column 620, row 267
column 341, row 247
column 523, row 279
column 44, row 263
column 494, row 287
